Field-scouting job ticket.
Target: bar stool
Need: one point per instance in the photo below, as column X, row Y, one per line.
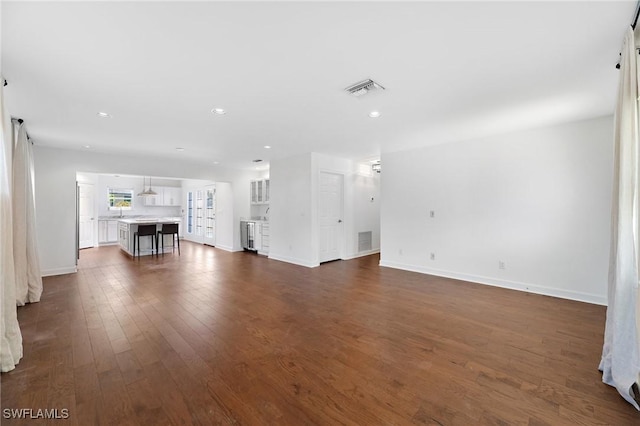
column 169, row 229
column 144, row 231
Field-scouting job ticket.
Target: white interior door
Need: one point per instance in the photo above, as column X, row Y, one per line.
column 330, row 214
column 85, row 215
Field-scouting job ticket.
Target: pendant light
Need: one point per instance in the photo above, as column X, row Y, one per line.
column 146, row 192
column 143, row 192
column 149, row 190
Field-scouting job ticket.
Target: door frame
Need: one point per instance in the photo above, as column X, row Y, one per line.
column 92, row 208
column 211, row 241
column 193, row 235
column 341, row 232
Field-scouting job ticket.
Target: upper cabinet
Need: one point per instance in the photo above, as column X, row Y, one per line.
column 260, row 191
column 167, row 196
column 172, row 196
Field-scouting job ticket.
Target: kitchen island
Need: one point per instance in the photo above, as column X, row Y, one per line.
column 128, row 227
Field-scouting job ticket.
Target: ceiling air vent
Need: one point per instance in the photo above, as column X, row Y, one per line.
column 363, row 87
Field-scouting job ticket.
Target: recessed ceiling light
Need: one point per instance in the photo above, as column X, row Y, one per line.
column 267, row 147
column 86, row 146
column 374, row 114
column 179, row 149
column 218, row 111
column 104, row 115
column 216, row 162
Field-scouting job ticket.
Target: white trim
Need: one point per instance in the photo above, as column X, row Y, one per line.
column 226, row 248
column 59, row 271
column 513, row 285
column 299, row 262
column 361, row 254
column 343, row 234
column 110, row 243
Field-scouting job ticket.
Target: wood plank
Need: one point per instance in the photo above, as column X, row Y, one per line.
column 212, row 337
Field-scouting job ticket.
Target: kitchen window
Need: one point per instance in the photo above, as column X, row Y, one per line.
column 120, row 199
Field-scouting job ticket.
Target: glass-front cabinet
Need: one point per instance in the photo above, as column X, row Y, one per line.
column 260, row 191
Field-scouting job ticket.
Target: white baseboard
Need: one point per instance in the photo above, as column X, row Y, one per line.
column 226, row 248
column 313, row 265
column 295, row 261
column 361, row 254
column 513, row 285
column 59, row 271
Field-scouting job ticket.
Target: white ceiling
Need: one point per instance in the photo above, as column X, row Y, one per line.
column 452, row 71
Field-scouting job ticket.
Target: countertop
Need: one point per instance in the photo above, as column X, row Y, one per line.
column 262, row 219
column 137, row 220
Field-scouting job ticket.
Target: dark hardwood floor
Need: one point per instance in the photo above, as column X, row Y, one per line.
column 212, row 337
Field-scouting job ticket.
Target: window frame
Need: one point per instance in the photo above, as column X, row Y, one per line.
column 116, row 190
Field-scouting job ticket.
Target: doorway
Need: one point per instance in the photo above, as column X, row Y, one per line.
column 201, row 215
column 330, row 216
column 85, row 215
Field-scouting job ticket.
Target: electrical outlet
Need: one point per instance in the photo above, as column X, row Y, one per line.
column 432, row 256
column 400, row 252
column 501, row 264
column 432, row 213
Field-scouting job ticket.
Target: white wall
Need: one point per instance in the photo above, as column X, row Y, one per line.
column 225, row 224
column 55, row 177
column 537, row 200
column 290, row 212
column 293, row 213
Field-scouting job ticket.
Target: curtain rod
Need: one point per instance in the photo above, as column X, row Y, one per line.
column 20, row 121
column 633, row 27
column 635, row 20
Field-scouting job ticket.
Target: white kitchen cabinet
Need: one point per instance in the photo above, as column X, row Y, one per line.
column 123, row 236
column 167, row 196
column 107, row 231
column 259, row 191
column 254, row 191
column 264, row 239
column 257, row 236
column 153, row 200
column 112, row 231
column 172, row 196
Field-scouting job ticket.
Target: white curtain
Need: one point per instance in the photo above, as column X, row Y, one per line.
column 25, row 248
column 10, row 336
column 620, row 364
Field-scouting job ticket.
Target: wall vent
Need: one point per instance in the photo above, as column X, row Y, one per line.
column 364, row 241
column 363, row 87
